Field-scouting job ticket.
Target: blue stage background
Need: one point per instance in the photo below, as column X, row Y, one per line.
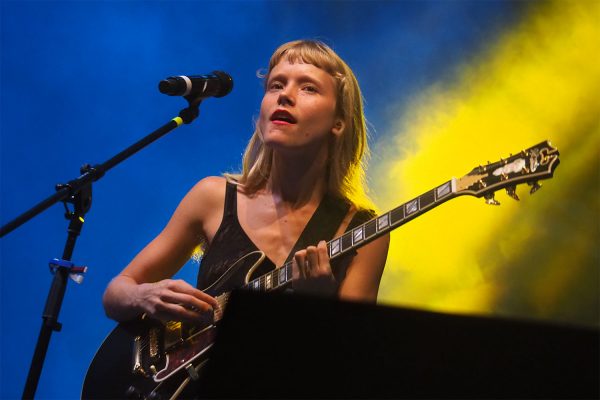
column 79, row 84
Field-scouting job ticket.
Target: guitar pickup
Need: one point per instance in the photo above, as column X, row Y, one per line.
column 173, row 334
column 153, row 340
column 137, row 368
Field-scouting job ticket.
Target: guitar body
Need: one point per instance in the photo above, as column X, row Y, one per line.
column 110, row 374
column 127, row 366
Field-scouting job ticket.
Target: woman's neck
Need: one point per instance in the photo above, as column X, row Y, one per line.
column 298, row 179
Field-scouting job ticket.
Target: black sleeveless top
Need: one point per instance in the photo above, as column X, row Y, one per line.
column 232, row 243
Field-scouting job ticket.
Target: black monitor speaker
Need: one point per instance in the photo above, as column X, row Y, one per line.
column 279, row 345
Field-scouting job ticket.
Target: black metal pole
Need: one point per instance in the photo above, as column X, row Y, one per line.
column 55, row 298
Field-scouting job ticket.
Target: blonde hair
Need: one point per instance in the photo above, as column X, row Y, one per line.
column 347, row 154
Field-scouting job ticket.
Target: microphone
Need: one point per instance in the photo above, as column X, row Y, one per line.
column 217, row 84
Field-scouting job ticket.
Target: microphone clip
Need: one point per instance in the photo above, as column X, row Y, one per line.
column 193, row 110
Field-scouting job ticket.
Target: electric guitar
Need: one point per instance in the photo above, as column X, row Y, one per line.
column 146, row 359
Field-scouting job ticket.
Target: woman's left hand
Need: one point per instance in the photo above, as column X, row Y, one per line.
column 312, row 272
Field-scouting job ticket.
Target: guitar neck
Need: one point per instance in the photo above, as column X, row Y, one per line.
column 363, row 234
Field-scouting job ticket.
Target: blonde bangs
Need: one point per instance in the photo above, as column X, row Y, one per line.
column 314, row 53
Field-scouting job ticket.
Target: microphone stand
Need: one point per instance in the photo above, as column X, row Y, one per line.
column 78, row 192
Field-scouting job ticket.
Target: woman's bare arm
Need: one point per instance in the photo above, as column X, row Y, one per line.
column 144, row 286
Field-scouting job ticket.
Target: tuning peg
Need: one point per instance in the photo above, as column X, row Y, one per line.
column 535, row 186
column 512, row 192
column 489, row 199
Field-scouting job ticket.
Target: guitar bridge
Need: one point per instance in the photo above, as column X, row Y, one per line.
column 148, row 351
column 173, row 335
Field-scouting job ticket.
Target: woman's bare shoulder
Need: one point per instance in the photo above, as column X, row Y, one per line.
column 210, row 183
column 209, row 191
column 202, row 202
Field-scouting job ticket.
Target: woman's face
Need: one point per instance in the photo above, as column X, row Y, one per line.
column 299, row 107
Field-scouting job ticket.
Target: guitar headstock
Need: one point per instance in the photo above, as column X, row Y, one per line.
column 529, row 166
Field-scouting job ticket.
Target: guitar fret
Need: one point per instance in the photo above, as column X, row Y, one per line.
column 370, row 228
column 346, row 241
column 274, row 278
column 397, row 215
column 426, row 199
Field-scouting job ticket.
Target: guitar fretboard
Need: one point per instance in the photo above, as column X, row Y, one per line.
column 362, row 234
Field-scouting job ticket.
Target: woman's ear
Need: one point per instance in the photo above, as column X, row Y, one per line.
column 338, row 127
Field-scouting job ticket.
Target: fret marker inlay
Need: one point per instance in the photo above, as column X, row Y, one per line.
column 383, row 222
column 335, row 247
column 358, row 235
column 443, row 190
column 412, row 206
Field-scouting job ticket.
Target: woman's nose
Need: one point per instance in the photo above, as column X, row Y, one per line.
column 286, row 96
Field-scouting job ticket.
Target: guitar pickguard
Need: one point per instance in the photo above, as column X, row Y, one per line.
column 190, row 350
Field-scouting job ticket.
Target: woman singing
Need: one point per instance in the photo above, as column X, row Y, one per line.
column 304, row 158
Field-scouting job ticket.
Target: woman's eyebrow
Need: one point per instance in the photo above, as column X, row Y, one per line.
column 302, row 78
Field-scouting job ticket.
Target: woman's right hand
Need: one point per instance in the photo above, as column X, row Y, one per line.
column 174, row 300
column 165, row 300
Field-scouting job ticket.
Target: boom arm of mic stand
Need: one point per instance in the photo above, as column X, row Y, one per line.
column 186, row 116
column 79, row 193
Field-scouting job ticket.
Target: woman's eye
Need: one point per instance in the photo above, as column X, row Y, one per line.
column 310, row 89
column 275, row 86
